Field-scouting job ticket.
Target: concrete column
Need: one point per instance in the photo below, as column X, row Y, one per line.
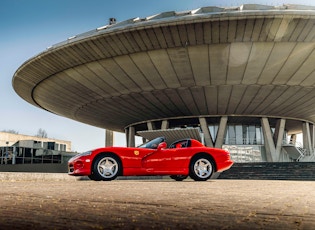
column 206, row 132
column 165, row 124
column 307, row 143
column 269, row 143
column 131, row 137
column 221, row 132
column 312, row 130
column 127, row 136
column 13, row 155
column 279, row 136
column 109, row 138
column 150, row 125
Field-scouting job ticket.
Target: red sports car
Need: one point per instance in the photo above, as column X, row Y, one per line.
column 183, row 158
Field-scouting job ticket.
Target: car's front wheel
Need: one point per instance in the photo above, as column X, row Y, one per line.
column 106, row 167
column 201, row 168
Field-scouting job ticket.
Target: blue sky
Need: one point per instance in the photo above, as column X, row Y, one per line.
column 28, row 27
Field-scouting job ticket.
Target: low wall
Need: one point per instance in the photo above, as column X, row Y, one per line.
column 304, row 171
column 47, row 168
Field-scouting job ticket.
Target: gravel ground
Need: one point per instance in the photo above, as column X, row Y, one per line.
column 157, row 204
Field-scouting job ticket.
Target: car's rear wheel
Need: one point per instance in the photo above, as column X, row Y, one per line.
column 178, row 177
column 201, row 168
column 106, row 167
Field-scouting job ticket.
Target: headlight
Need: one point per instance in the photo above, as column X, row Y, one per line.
column 87, row 153
column 81, row 154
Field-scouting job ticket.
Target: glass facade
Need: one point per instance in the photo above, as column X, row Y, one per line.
column 21, row 155
column 244, row 135
column 244, row 142
column 240, row 134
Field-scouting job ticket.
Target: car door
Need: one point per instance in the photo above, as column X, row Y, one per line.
column 132, row 157
column 165, row 161
column 157, row 161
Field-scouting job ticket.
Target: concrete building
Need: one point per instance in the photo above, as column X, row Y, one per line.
column 30, row 153
column 240, row 78
column 9, row 139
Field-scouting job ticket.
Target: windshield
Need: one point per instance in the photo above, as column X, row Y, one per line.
column 153, row 144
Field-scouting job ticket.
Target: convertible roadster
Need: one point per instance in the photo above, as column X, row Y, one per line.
column 183, row 158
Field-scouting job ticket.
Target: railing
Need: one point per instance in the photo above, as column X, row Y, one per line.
column 243, row 141
column 244, row 153
column 53, row 159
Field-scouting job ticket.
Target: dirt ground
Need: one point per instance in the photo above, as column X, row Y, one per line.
column 157, row 204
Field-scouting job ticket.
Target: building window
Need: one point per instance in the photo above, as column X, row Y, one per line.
column 51, row 145
column 243, row 135
column 213, row 131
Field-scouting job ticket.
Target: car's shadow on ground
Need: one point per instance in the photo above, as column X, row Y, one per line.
column 159, row 179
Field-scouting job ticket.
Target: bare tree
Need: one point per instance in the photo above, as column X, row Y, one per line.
column 10, row 131
column 41, row 133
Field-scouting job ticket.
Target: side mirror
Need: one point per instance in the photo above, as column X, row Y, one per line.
column 162, row 145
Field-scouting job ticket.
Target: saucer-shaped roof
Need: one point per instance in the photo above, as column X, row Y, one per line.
column 251, row 60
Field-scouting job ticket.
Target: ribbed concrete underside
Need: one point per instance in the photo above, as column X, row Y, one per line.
column 241, row 62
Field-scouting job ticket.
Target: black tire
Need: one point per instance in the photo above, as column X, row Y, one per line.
column 178, row 177
column 106, row 167
column 201, row 168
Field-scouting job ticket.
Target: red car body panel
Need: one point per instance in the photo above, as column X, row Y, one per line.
column 147, row 161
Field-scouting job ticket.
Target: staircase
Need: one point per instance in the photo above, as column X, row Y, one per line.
column 303, row 171
column 295, row 153
column 309, row 158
